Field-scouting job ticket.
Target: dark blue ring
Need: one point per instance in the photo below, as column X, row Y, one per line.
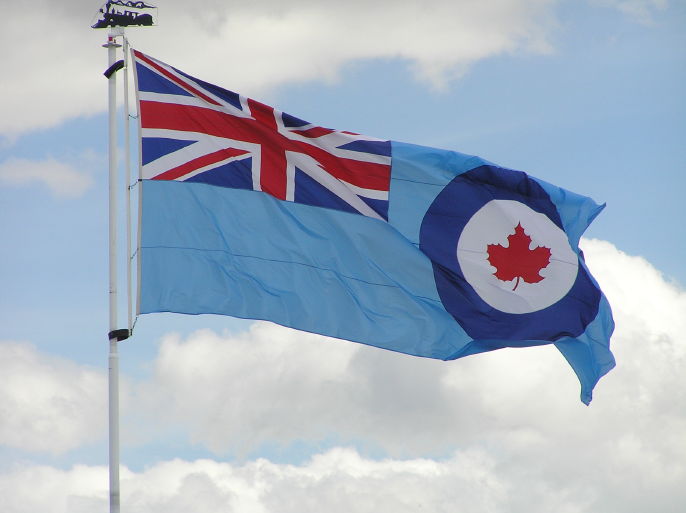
column 440, row 232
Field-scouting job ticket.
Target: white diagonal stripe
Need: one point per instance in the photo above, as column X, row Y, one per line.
column 312, row 168
column 203, row 145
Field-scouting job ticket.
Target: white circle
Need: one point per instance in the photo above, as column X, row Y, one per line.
column 492, row 224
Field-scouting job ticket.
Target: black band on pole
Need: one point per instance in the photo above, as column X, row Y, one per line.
column 114, row 68
column 121, row 334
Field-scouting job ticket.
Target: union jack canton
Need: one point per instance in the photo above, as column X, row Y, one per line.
column 194, row 131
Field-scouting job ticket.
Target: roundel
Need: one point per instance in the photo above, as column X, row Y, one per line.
column 502, row 262
column 534, row 265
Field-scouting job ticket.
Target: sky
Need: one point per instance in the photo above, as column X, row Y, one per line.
column 220, row 414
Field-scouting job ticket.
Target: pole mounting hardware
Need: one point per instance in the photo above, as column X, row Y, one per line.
column 119, row 335
column 114, row 68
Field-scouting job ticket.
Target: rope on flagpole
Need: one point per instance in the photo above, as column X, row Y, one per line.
column 140, row 202
column 127, row 156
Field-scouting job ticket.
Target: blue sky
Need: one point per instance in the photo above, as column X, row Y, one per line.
column 587, row 95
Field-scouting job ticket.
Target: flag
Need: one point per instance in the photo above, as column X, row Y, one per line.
column 251, row 212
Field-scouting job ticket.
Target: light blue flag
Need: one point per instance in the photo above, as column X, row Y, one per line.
column 413, row 249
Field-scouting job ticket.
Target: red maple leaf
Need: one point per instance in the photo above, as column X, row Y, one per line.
column 517, row 260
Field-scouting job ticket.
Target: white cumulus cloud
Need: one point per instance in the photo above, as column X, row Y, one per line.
column 34, row 488
column 56, row 62
column 500, row 432
column 237, row 393
column 48, row 404
column 62, row 179
column 337, row 481
column 641, row 10
column 54, row 71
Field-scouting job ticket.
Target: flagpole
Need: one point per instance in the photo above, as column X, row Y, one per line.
column 113, row 335
column 116, row 19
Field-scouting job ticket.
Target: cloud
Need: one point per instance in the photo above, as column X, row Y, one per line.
column 270, row 386
column 640, row 10
column 62, row 179
column 255, row 47
column 503, row 431
column 270, row 371
column 36, row 488
column 48, row 404
column 252, row 47
column 53, row 70
column 337, row 481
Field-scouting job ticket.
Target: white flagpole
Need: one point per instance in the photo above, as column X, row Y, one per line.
column 113, row 375
column 114, row 20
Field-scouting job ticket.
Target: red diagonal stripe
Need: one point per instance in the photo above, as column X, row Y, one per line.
column 200, row 162
column 316, row 131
